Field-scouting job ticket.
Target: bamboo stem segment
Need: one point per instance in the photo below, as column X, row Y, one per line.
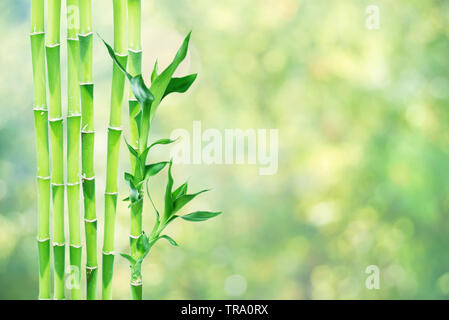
column 114, row 135
column 53, row 47
column 134, row 67
column 37, row 38
column 87, row 145
column 73, row 147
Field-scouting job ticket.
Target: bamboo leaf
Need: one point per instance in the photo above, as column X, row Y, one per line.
column 134, row 195
column 168, row 210
column 154, row 168
column 180, row 85
column 162, row 141
column 154, row 73
column 181, row 201
column 131, row 149
column 114, row 57
column 180, row 191
column 140, row 90
column 142, row 245
column 131, row 260
column 170, row 240
column 160, row 83
column 198, row 216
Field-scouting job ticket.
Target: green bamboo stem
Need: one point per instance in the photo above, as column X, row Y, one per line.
column 53, row 47
column 114, row 134
column 134, row 67
column 37, row 37
column 87, row 146
column 73, row 147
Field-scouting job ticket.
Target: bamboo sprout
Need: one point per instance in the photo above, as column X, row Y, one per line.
column 37, row 37
column 73, row 146
column 114, row 134
column 53, row 46
column 87, row 146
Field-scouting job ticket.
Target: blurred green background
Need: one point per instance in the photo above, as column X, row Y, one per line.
column 363, row 173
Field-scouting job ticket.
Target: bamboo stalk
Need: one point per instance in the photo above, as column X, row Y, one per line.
column 134, row 67
column 114, row 134
column 87, row 146
column 53, row 46
column 73, row 146
column 37, row 37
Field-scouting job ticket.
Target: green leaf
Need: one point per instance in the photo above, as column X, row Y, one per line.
column 181, row 201
column 142, row 245
column 131, row 260
column 162, row 141
column 138, row 118
column 154, row 73
column 140, row 90
column 114, row 57
column 173, row 217
column 170, row 240
column 168, row 194
column 160, row 83
column 134, row 195
column 200, row 216
column 180, row 85
column 180, row 191
column 131, row 149
column 154, row 168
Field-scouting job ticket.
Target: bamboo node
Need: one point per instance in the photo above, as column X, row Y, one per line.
column 43, row 240
column 85, row 35
column 135, row 51
column 115, row 128
column 36, row 33
column 88, row 178
column 111, row 193
column 90, row 221
column 74, row 115
column 134, row 237
column 55, row 119
column 58, row 244
column 91, row 268
column 70, row 184
column 52, row 45
column 77, row 246
column 109, row 253
column 43, row 178
column 40, row 108
column 136, row 283
column 54, row 184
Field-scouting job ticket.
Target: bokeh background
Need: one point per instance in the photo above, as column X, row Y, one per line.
column 363, row 119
